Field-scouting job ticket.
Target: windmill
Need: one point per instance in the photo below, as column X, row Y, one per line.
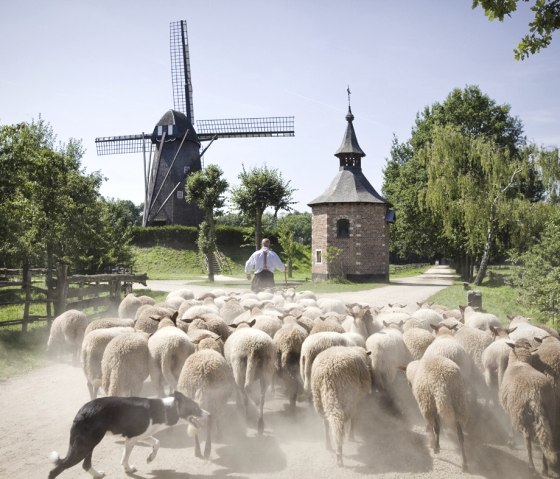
column 173, row 150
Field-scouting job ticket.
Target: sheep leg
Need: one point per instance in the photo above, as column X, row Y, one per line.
column 327, row 435
column 208, row 445
column 529, row 452
column 435, row 434
column 338, row 427
column 260, row 423
column 461, row 438
column 128, row 446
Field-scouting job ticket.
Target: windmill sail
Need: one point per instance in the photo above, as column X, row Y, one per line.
column 181, row 69
column 245, row 127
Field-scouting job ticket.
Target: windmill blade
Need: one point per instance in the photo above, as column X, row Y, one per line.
column 114, row 145
column 245, row 127
column 181, row 69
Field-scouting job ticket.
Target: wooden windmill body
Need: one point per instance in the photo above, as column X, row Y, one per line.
column 173, row 150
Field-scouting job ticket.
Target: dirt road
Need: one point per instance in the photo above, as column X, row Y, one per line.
column 37, row 410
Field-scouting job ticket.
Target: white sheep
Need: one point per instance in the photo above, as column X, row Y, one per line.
column 148, row 316
column 288, row 341
column 527, row 396
column 169, row 349
column 125, row 364
column 340, row 380
column 388, row 352
column 204, row 339
column 478, row 319
column 128, row 306
column 105, row 323
column 231, row 309
column 332, row 305
column 474, row 341
column 207, row 378
column 439, row 389
column 311, row 347
column 209, row 321
column 67, row 330
column 251, row 353
column 417, row 341
column 93, row 347
column 495, row 359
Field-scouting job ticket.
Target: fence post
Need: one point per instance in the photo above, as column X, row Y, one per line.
column 61, row 289
column 27, row 301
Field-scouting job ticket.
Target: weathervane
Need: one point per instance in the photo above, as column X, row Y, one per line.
column 348, row 90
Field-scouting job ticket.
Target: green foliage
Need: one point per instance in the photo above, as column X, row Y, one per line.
column 206, row 189
column 299, row 224
column 50, row 209
column 333, row 259
column 261, row 188
column 539, row 276
column 161, row 262
column 546, row 20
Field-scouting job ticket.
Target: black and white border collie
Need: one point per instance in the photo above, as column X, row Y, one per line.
column 134, row 418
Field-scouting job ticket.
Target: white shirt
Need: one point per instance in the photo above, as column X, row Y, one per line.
column 257, row 261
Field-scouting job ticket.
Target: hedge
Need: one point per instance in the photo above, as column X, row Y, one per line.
column 176, row 236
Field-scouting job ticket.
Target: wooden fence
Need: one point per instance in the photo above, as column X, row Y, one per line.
column 98, row 294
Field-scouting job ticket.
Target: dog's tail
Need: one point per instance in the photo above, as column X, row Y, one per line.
column 54, row 458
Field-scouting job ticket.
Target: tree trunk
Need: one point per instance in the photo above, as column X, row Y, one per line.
column 61, row 288
column 49, row 283
column 289, row 268
column 258, row 228
column 211, row 247
column 486, row 255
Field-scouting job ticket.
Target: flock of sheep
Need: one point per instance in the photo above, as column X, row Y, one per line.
column 334, row 354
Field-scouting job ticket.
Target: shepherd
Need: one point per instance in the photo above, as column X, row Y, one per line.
column 263, row 261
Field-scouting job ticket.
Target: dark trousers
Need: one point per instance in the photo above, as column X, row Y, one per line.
column 263, row 280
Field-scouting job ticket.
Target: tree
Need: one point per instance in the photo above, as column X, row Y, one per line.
column 299, row 224
column 417, row 231
column 288, row 245
column 471, row 185
column 206, row 189
column 260, row 189
column 546, row 20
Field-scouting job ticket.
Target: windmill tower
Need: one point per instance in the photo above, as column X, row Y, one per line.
column 173, row 150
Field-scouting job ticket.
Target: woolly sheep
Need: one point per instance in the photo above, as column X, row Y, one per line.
column 332, row 304
column 474, row 341
column 128, row 306
column 288, row 341
column 361, row 322
column 387, row 353
column 495, row 359
column 354, row 339
column 207, row 378
column 169, row 349
column 417, row 341
column 519, row 320
column 546, row 359
column 186, row 304
column 199, row 310
column 182, row 293
column 529, row 332
column 269, row 324
column 209, row 321
column 311, row 347
column 204, row 339
column 390, row 318
column 145, row 317
column 231, row 309
column 527, row 396
column 109, row 323
column 439, row 389
column 251, row 353
column 323, row 324
column 125, row 364
column 68, row 329
column 92, row 353
column 340, row 380
column 312, row 312
column 477, row 319
column 428, row 315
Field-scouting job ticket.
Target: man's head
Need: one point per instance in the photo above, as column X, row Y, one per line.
column 265, row 243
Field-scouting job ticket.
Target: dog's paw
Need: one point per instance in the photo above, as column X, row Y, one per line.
column 98, row 475
column 153, row 454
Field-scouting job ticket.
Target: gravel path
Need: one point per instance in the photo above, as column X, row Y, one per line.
column 38, row 409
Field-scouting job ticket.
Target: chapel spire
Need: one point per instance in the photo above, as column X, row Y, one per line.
column 349, row 153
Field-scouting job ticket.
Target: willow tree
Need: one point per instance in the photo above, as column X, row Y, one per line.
column 261, row 188
column 473, row 185
column 206, row 189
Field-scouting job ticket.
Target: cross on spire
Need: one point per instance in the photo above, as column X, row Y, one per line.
column 348, row 91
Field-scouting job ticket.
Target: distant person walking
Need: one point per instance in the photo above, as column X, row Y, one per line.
column 263, row 262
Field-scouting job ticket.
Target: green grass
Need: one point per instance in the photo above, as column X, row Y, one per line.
column 19, row 352
column 406, row 270
column 499, row 300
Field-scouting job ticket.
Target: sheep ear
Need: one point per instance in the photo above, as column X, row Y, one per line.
column 538, row 340
column 401, row 323
column 252, row 323
column 385, row 324
column 233, row 325
column 511, row 345
column 494, row 330
column 390, row 305
column 174, row 317
column 368, row 353
column 435, row 327
column 511, row 330
column 402, row 368
column 188, row 321
column 154, row 318
column 454, row 327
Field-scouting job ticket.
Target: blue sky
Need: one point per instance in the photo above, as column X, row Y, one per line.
column 102, row 68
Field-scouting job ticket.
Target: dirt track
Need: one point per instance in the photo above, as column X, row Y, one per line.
column 38, row 409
